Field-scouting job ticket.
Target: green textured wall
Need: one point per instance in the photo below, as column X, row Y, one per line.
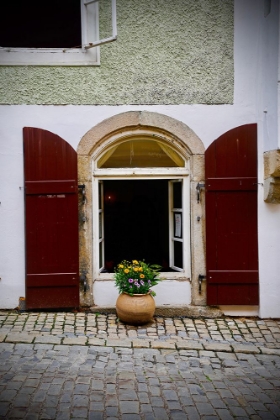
column 167, row 52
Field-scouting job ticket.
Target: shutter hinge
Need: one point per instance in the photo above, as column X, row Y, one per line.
column 201, row 277
column 83, row 188
column 199, row 186
column 83, row 281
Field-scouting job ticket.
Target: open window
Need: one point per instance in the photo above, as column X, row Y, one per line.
column 101, row 225
column 176, row 235
column 142, row 219
column 142, row 187
column 54, row 32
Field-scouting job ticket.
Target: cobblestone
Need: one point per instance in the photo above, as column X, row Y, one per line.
column 87, row 366
column 227, row 334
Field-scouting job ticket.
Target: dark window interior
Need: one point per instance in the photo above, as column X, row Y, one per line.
column 37, row 24
column 136, row 222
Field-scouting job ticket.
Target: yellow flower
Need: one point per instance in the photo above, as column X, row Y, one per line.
column 135, row 262
column 142, row 276
column 135, row 269
column 120, row 265
column 126, row 270
column 140, row 269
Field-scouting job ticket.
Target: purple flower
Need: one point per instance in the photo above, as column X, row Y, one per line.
column 137, row 285
column 149, row 281
column 130, row 280
column 141, row 282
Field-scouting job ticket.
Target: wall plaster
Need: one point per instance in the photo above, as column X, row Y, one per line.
column 167, row 52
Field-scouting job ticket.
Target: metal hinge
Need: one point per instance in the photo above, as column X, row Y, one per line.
column 83, row 281
column 201, row 277
column 83, row 188
column 199, row 186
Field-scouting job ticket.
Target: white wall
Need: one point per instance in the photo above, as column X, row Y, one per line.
column 165, row 295
column 252, row 47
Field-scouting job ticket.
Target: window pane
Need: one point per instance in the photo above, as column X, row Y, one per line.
column 100, row 226
column 178, row 225
column 100, row 196
column 100, row 254
column 177, row 195
column 178, row 254
column 140, row 154
column 36, row 24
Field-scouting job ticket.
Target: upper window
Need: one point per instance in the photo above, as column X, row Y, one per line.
column 52, row 32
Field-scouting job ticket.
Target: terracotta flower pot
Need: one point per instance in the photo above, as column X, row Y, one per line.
column 136, row 309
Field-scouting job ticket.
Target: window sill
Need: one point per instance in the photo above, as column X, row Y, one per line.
column 179, row 276
column 49, row 57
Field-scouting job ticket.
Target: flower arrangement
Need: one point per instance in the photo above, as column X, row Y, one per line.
column 136, row 277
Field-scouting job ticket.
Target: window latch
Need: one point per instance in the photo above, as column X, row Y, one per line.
column 199, row 186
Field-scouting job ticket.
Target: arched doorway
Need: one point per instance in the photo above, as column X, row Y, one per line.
column 140, row 170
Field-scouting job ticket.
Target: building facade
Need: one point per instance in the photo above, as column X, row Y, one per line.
column 172, row 128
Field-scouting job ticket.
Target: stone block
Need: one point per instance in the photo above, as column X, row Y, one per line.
column 118, row 343
column 272, row 163
column 96, row 341
column 129, row 407
column 269, row 351
column 245, row 348
column 75, row 340
column 162, row 345
column 217, row 347
column 47, row 339
column 272, row 190
column 19, row 338
column 189, row 345
column 138, row 343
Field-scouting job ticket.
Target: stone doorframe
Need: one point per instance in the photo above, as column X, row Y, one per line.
column 153, row 125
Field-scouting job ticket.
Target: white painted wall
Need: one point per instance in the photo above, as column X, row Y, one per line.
column 163, row 289
column 254, row 65
column 267, row 118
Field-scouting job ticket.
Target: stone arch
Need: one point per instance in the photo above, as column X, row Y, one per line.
column 130, row 124
column 136, row 120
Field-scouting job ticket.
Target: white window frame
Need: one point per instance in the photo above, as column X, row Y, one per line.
column 87, row 54
column 101, row 241
column 171, row 212
column 143, row 173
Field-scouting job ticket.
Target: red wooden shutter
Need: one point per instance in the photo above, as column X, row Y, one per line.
column 231, row 218
column 51, row 218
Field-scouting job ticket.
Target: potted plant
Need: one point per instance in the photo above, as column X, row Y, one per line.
column 135, row 304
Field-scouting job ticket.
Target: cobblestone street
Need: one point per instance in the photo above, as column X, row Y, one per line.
column 91, row 366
